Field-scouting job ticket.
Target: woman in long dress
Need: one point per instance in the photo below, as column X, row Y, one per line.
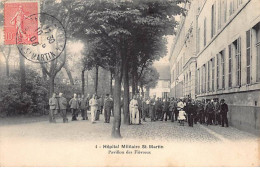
column 134, row 113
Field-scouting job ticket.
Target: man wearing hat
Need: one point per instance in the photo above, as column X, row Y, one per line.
column 223, row 112
column 63, row 107
column 54, row 107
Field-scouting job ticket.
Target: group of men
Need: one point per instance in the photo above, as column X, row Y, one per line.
column 80, row 104
column 209, row 113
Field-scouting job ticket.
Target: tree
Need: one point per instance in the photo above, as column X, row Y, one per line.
column 148, row 79
column 6, row 50
column 117, row 25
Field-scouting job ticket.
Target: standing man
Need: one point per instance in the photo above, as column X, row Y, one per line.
column 101, row 104
column 209, row 112
column 74, row 106
column 189, row 110
column 217, row 112
column 144, row 109
column 83, row 107
column 171, row 109
column 140, row 109
column 158, row 109
column 63, row 107
column 93, row 107
column 108, row 105
column 152, row 109
column 165, row 109
column 223, row 112
column 54, row 106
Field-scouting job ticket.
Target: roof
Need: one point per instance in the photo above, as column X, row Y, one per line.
column 164, row 71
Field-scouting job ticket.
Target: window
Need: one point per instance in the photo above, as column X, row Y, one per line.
column 205, row 32
column 223, row 68
column 237, row 44
column 225, row 10
column 208, row 76
column 205, row 79
column 213, row 20
column 248, row 57
column 256, row 29
column 217, row 71
column 190, row 84
column 198, row 40
column 213, row 74
column 231, row 7
column 219, row 14
column 229, row 66
column 198, row 82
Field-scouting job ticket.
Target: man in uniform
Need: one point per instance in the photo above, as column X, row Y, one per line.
column 140, row 109
column 171, row 109
column 108, row 105
column 54, row 107
column 209, row 112
column 165, row 109
column 63, row 107
column 223, row 112
column 190, row 110
column 83, row 107
column 74, row 105
column 152, row 109
column 217, row 112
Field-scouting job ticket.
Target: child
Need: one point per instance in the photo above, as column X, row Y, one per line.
column 182, row 117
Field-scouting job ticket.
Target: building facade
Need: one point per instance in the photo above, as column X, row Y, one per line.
column 220, row 51
column 162, row 89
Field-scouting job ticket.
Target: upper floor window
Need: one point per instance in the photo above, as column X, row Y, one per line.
column 205, row 32
column 213, row 20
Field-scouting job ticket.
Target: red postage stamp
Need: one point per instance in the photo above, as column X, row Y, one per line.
column 17, row 20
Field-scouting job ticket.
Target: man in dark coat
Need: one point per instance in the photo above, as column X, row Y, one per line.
column 108, row 105
column 171, row 109
column 165, row 109
column 74, row 105
column 190, row 108
column 223, row 112
column 152, row 109
column 217, row 120
column 83, row 107
column 63, row 107
column 209, row 112
column 158, row 109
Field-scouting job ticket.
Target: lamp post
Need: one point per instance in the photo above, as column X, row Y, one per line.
column 176, row 81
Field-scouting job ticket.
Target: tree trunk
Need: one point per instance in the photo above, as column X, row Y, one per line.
column 51, row 83
column 96, row 79
column 126, row 94
column 147, row 91
column 117, row 108
column 133, row 85
column 83, row 82
column 111, row 83
column 87, row 82
column 69, row 74
column 7, row 67
column 142, row 89
column 44, row 75
column 22, row 73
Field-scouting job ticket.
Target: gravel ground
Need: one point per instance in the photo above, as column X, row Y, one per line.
column 33, row 141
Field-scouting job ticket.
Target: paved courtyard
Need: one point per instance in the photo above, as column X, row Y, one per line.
column 36, row 142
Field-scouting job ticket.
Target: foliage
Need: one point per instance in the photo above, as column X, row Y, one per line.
column 32, row 100
column 149, row 77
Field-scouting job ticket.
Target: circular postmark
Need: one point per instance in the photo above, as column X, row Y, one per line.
column 41, row 38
